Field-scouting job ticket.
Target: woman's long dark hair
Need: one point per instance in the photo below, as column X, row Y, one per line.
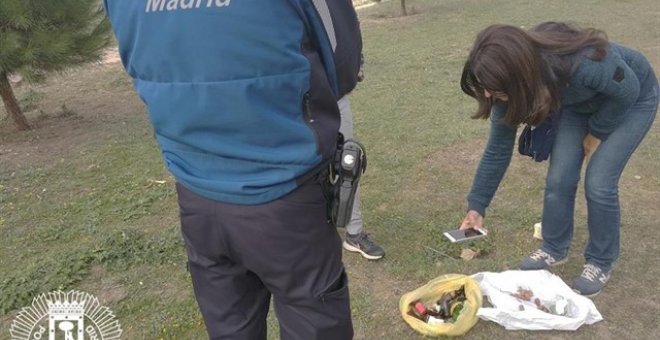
column 530, row 67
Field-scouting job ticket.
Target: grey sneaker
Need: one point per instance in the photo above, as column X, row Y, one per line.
column 592, row 280
column 540, row 260
column 361, row 243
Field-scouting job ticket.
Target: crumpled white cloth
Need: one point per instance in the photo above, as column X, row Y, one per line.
column 549, row 288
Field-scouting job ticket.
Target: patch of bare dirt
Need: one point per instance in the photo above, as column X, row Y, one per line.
column 97, row 284
column 457, row 156
column 456, row 164
column 358, row 3
column 84, row 105
column 111, row 56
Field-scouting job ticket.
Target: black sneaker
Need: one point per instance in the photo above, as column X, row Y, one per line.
column 361, row 243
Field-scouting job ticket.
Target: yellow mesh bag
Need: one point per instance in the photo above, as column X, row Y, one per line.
column 431, row 292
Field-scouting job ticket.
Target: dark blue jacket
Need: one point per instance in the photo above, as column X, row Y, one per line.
column 241, row 94
column 603, row 89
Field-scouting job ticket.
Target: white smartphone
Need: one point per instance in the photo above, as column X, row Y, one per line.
column 461, row 235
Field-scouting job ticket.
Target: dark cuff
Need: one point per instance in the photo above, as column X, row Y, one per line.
column 478, row 207
column 600, row 135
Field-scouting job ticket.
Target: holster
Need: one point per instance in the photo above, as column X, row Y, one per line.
column 340, row 180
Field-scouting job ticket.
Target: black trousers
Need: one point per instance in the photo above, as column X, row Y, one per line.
column 241, row 255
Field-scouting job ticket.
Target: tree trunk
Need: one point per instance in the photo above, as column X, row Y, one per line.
column 11, row 104
column 403, row 8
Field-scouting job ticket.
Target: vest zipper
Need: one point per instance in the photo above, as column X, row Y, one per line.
column 309, row 119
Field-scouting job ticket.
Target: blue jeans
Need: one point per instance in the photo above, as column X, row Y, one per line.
column 600, row 184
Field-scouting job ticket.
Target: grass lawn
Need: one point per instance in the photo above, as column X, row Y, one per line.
column 85, row 201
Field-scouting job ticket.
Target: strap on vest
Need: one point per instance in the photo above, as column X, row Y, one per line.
column 324, row 12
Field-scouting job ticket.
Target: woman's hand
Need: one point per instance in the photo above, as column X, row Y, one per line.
column 474, row 220
column 590, row 144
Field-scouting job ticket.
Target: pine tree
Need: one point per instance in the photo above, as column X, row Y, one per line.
column 38, row 37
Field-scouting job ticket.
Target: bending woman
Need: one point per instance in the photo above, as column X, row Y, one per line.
column 605, row 98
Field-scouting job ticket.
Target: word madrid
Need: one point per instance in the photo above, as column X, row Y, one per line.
column 172, row 5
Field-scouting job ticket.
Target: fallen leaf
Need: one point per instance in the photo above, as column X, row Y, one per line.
column 469, row 254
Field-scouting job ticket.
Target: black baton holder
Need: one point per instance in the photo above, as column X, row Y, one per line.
column 349, row 165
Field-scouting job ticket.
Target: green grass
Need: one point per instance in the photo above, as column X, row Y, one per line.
column 82, row 205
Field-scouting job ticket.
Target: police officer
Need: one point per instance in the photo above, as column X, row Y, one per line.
column 242, row 96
